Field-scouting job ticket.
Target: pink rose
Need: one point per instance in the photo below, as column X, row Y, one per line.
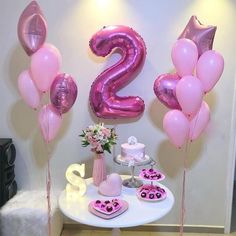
column 106, row 132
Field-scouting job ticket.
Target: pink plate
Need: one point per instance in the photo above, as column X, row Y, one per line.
column 151, row 174
column 108, row 215
column 151, row 193
column 107, row 207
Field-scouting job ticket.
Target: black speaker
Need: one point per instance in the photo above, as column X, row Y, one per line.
column 8, row 186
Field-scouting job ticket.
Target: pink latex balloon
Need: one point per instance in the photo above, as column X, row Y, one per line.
column 164, row 88
column 184, row 56
column 50, row 122
column 28, row 90
column 210, row 67
column 189, row 93
column 103, row 99
column 176, row 126
column 63, row 92
column 32, row 28
column 201, row 35
column 199, row 122
column 45, row 65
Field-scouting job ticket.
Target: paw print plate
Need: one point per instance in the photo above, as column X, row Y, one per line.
column 108, row 209
column 151, row 174
column 151, row 193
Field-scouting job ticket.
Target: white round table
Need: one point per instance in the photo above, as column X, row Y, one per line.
column 139, row 212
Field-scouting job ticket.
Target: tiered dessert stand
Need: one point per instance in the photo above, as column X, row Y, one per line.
column 151, row 192
column 133, row 182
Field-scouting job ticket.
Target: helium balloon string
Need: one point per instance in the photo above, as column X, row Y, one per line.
column 48, row 173
column 182, row 215
column 40, row 104
column 48, row 184
column 187, row 148
column 194, row 126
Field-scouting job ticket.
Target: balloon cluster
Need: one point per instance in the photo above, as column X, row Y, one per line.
column 43, row 74
column 183, row 92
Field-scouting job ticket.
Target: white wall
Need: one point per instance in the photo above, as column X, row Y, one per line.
column 70, row 26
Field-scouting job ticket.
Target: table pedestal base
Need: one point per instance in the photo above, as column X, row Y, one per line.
column 132, row 183
column 115, row 232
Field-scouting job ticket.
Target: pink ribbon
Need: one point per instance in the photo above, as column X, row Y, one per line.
column 183, row 210
column 182, row 214
column 48, row 184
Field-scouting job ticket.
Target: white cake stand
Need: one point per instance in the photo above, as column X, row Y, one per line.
column 133, row 182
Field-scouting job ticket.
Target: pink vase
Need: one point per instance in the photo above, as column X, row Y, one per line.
column 99, row 169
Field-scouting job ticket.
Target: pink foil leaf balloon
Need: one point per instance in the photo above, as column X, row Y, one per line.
column 45, row 65
column 32, row 28
column 176, row 126
column 201, row 35
column 199, row 122
column 189, row 93
column 103, row 98
column 210, row 67
column 28, row 90
column 164, row 88
column 63, row 92
column 184, row 56
column 50, row 122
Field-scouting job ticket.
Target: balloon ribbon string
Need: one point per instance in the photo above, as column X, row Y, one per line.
column 182, row 215
column 194, row 126
column 48, row 184
column 187, row 147
column 48, row 175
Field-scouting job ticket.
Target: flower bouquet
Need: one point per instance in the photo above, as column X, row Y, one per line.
column 101, row 139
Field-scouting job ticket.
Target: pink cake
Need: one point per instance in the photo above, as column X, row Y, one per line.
column 133, row 151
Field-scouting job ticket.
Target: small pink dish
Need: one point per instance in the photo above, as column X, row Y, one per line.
column 151, row 193
column 108, row 209
column 151, row 174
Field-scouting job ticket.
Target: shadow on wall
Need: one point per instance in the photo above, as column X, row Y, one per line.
column 19, row 117
column 23, row 119
column 18, row 61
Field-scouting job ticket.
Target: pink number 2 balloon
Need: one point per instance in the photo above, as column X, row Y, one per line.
column 103, row 99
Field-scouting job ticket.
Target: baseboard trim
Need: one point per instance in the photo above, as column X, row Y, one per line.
column 155, row 228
